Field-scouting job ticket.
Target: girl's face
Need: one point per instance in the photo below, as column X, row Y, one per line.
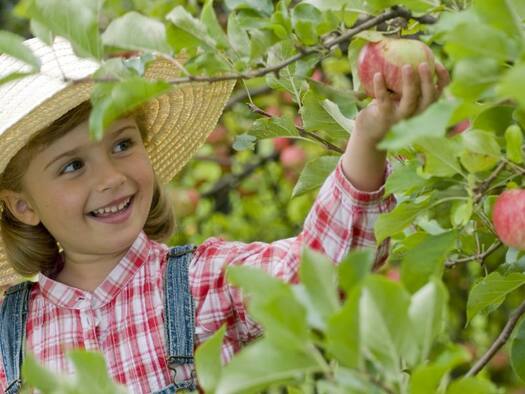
column 93, row 196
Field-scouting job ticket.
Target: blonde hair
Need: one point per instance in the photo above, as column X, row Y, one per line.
column 32, row 249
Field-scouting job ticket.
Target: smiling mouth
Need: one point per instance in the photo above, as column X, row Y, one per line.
column 112, row 210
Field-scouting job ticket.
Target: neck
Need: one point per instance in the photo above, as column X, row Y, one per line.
column 87, row 272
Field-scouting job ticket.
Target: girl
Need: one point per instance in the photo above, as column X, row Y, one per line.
column 89, row 218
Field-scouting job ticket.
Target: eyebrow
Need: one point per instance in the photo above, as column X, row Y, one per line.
column 75, row 151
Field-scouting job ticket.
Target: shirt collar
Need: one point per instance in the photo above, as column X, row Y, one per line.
column 70, row 297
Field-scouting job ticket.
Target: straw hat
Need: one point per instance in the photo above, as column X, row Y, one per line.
column 178, row 122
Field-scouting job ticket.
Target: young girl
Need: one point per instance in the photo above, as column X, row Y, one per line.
column 89, row 218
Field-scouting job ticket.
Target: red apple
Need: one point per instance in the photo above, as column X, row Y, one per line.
column 460, row 127
column 508, row 217
column 280, row 143
column 220, row 134
column 273, row 110
column 388, row 57
column 293, row 157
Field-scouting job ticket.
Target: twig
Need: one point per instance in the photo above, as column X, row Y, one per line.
column 499, row 342
column 479, row 256
column 231, row 180
column 301, row 130
column 243, row 95
column 327, row 46
column 482, row 188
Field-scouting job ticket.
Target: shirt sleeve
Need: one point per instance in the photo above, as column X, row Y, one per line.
column 341, row 218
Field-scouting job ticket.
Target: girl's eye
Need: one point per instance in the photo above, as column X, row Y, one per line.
column 72, row 166
column 123, row 145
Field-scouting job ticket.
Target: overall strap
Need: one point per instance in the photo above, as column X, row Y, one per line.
column 13, row 316
column 178, row 307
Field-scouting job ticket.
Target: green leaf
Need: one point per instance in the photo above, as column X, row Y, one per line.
column 244, row 142
column 391, row 223
column 208, row 360
column 264, row 363
column 474, row 76
column 354, row 268
column 305, row 20
column 42, row 32
column 514, row 141
column 517, row 350
column 491, row 292
column 314, row 174
column 238, row 36
column 428, row 314
column 461, row 212
column 282, row 126
column 342, row 333
column 317, row 115
column 319, row 276
column 209, row 19
column 264, row 7
column 440, row 157
column 503, row 17
column 385, row 328
column 112, row 100
column 136, row 32
column 37, row 376
column 426, row 378
column 512, row 84
column 472, row 385
column 183, row 21
column 13, row 45
column 272, row 303
column 426, row 259
column 481, row 150
column 405, row 179
column 431, row 123
column 75, row 20
column 91, row 372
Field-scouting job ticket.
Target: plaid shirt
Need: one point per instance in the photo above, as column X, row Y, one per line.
column 123, row 317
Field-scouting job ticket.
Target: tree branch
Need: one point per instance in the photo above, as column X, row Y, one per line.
column 480, row 256
column 326, row 46
column 499, row 342
column 301, row 130
column 231, row 180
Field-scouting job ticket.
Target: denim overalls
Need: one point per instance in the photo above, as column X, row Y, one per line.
column 178, row 321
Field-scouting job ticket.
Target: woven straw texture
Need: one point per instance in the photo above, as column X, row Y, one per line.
column 178, row 122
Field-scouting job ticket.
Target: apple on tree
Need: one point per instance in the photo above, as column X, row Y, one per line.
column 388, row 57
column 508, row 217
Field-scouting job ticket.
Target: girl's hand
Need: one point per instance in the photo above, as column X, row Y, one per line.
column 418, row 92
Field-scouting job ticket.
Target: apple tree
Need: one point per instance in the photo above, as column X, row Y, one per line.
column 444, row 313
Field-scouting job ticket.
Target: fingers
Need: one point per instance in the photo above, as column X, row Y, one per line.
column 443, row 78
column 428, row 91
column 411, row 92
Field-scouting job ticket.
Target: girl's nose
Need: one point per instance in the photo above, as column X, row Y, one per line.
column 109, row 177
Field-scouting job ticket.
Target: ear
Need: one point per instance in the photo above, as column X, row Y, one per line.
column 20, row 207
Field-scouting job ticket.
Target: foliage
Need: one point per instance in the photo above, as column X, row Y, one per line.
column 458, row 283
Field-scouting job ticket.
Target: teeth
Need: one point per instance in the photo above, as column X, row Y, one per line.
column 112, row 209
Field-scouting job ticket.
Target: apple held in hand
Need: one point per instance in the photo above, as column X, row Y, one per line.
column 388, row 57
column 508, row 216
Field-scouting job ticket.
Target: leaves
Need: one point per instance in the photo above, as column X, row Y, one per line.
column 12, row 44
column 426, row 259
column 490, row 292
column 314, row 174
column 517, row 350
column 431, row 123
column 136, row 32
column 76, row 20
column 112, row 100
column 208, row 361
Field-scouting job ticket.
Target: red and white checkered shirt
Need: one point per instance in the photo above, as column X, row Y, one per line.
column 123, row 317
